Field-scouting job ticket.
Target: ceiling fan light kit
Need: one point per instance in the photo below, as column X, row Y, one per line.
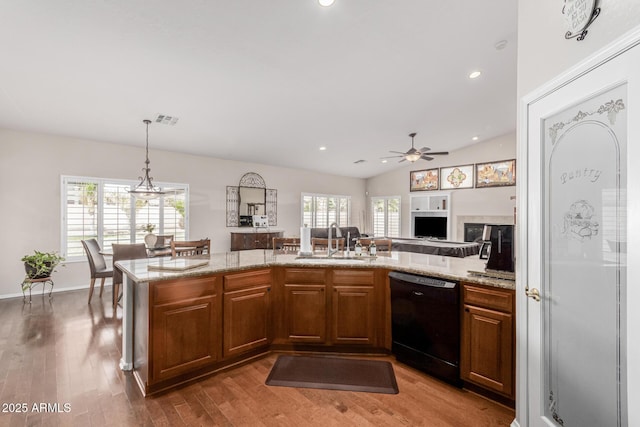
column 412, row 155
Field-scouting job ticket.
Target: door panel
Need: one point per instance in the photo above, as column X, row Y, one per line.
column 576, row 248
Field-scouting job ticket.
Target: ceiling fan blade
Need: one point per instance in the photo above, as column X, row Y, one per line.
column 398, row 152
column 424, row 149
column 438, row 153
column 425, row 157
column 403, row 160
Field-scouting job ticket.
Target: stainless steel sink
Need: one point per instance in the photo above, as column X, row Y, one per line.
column 331, row 260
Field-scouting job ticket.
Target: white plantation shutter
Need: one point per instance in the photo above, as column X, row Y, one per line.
column 385, row 215
column 320, row 210
column 103, row 209
column 117, row 205
column 393, row 217
column 80, row 214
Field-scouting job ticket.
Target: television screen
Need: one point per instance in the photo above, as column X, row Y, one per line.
column 430, row 226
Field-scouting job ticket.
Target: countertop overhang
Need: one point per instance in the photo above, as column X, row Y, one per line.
column 429, row 265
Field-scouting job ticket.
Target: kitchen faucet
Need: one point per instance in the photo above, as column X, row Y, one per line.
column 330, row 250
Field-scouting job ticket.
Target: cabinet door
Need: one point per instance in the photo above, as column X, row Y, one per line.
column 183, row 336
column 306, row 313
column 246, row 320
column 353, row 315
column 487, row 349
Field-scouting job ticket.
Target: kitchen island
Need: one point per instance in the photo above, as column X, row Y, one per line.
column 184, row 319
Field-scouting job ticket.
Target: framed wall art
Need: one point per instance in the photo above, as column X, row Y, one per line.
column 496, row 174
column 456, row 177
column 424, row 180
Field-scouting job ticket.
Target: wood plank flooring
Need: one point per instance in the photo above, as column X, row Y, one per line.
column 59, row 367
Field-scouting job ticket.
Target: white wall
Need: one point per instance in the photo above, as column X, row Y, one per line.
column 543, row 52
column 465, row 202
column 31, row 165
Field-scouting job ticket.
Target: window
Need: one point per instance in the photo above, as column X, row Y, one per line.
column 385, row 214
column 104, row 210
column 320, row 210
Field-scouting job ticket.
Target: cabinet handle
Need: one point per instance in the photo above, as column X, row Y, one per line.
column 417, row 293
column 466, row 309
column 533, row 293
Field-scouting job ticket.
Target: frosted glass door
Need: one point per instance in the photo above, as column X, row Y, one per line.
column 584, row 248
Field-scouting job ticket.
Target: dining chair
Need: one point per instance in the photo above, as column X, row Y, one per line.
column 320, row 243
column 162, row 247
column 97, row 265
column 286, row 244
column 164, row 240
column 123, row 252
column 190, row 247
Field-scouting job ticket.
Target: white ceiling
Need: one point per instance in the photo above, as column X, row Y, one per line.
column 262, row 81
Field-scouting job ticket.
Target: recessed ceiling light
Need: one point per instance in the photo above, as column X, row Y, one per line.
column 475, row 138
column 475, row 75
column 326, row 3
column 384, row 161
column 323, row 148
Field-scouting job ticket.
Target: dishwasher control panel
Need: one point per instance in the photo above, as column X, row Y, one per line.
column 422, row 280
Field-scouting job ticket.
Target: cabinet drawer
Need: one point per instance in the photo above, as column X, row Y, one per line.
column 183, row 289
column 304, row 275
column 496, row 299
column 233, row 282
column 353, row 277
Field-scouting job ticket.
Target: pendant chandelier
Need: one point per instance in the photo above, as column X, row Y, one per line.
column 146, row 190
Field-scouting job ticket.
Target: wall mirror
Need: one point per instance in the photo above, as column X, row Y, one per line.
column 250, row 197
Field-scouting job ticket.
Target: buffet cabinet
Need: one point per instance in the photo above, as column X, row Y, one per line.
column 488, row 339
column 245, row 240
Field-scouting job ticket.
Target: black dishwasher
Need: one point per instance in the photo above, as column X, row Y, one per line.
column 425, row 324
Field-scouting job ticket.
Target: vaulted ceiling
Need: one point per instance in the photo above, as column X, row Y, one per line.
column 263, row 81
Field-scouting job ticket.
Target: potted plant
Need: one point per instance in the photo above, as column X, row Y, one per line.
column 41, row 264
column 149, row 228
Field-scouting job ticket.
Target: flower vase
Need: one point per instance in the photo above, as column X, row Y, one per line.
column 150, row 240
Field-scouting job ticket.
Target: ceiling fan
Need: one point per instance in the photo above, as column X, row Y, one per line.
column 412, row 154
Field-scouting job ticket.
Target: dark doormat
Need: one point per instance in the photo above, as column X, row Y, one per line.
column 333, row 373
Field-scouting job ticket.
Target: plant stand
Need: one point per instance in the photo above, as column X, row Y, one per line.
column 30, row 283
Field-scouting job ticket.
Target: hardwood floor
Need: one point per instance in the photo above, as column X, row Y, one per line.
column 64, row 354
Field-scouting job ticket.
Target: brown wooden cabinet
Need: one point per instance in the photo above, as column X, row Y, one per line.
column 354, row 307
column 331, row 307
column 488, row 338
column 252, row 239
column 185, row 316
column 305, row 305
column 247, row 312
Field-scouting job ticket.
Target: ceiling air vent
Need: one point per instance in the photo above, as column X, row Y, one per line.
column 166, row 120
column 359, row 161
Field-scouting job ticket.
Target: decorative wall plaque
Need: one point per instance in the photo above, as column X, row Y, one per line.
column 578, row 15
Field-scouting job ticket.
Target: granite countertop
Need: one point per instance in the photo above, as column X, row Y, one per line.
column 145, row 270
